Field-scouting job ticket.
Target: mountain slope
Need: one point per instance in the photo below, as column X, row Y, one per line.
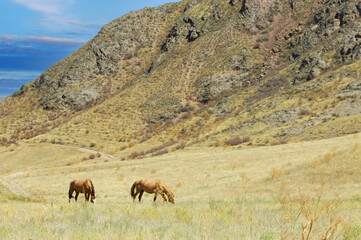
column 239, row 72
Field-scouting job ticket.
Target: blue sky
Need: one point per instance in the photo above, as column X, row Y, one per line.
column 35, row 34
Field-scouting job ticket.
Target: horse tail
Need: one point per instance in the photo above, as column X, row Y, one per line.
column 132, row 193
column 71, row 189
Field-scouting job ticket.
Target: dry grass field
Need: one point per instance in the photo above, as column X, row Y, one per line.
column 305, row 190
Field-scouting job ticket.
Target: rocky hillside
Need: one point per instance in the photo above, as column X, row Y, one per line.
column 214, row 73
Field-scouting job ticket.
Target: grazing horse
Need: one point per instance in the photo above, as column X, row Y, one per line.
column 151, row 186
column 82, row 186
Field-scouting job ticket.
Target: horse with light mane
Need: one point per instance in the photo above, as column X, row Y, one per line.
column 151, row 186
column 82, row 186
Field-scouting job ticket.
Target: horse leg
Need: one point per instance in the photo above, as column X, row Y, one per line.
column 70, row 194
column 76, row 195
column 141, row 194
column 155, row 196
column 86, row 197
column 163, row 196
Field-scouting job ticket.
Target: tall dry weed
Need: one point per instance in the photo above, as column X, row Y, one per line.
column 314, row 215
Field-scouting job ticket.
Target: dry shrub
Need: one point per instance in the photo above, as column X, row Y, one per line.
column 244, row 178
column 180, row 146
column 316, row 163
column 134, row 155
column 341, row 170
column 355, row 147
column 92, row 156
column 161, row 152
column 288, row 164
column 153, row 171
column 233, row 141
column 123, row 148
column 120, row 177
column 144, row 139
column 276, row 173
column 304, row 112
column 316, row 217
column 180, row 117
column 327, row 157
column 7, row 142
column 71, row 163
column 159, row 148
column 155, row 149
column 280, row 142
column 98, row 155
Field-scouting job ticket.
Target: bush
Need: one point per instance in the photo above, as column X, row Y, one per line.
column 303, row 112
column 280, row 142
column 233, row 141
column 180, row 146
column 134, row 155
column 237, row 140
column 161, row 152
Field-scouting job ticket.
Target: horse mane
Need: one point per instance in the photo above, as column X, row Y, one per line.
column 167, row 191
column 93, row 191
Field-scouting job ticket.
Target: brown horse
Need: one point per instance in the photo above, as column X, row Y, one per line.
column 151, row 186
column 82, row 186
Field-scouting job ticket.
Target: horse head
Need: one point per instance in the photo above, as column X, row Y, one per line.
column 171, row 198
column 93, row 199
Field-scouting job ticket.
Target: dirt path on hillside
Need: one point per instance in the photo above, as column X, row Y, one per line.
column 7, row 185
column 11, row 186
column 106, row 156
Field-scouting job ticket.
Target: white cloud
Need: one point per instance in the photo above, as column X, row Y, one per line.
column 13, row 38
column 58, row 16
column 54, row 40
column 47, row 7
column 19, row 75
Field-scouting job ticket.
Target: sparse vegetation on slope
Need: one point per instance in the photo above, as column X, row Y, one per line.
column 191, row 72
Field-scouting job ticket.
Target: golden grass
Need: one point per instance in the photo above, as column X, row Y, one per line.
column 220, row 192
